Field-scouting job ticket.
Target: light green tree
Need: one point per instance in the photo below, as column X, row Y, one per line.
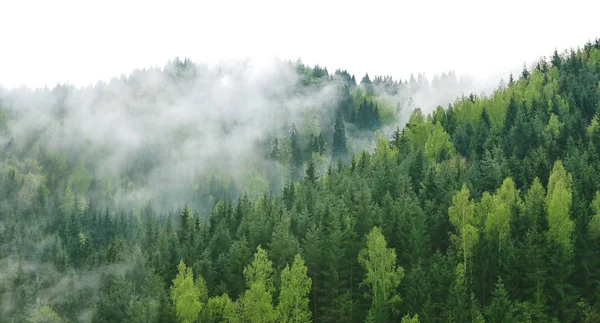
column 497, row 223
column 558, row 205
column 534, row 202
column 553, row 127
column 295, row 288
column 438, row 146
column 382, row 275
column 220, row 309
column 408, row 319
column 462, row 216
column 257, row 301
column 187, row 296
column 44, row 314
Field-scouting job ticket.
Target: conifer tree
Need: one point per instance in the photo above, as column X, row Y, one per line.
column 501, row 309
column 339, row 148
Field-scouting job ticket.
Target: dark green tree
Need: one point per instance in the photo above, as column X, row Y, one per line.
column 339, row 147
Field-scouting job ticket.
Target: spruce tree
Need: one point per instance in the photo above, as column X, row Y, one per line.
column 296, row 153
column 501, row 308
column 339, row 148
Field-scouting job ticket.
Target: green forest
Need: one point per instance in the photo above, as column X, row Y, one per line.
column 357, row 201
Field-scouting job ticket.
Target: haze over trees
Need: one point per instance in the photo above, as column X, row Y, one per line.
column 220, row 194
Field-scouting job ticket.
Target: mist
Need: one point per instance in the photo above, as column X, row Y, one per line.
column 159, row 135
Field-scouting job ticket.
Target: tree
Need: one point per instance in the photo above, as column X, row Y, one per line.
column 284, row 245
column 187, row 296
column 558, row 204
column 501, row 308
column 339, row 258
column 368, row 116
column 438, row 146
column 498, row 221
column 408, row 319
column 556, row 60
column 274, row 151
column 44, row 314
column 458, row 300
column 511, row 114
column 346, row 104
column 525, row 73
column 311, row 175
column 184, row 223
column 462, row 216
column 534, row 205
column 257, row 300
column 366, row 83
column 595, row 220
column 339, row 148
column 490, row 171
column 533, row 258
column 382, row 275
column 296, row 153
column 295, row 288
column 238, row 257
column 220, row 309
column 485, row 118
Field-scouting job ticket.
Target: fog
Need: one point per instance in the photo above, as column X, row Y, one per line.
column 158, row 135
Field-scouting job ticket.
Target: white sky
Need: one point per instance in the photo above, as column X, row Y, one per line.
column 45, row 42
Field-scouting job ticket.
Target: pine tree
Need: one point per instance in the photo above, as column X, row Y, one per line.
column 511, row 114
column 556, row 60
column 184, row 224
column 274, row 151
column 346, row 104
column 366, row 83
column 525, row 73
column 296, row 154
column 501, row 308
column 339, row 148
column 458, row 298
column 284, row 245
column 311, row 175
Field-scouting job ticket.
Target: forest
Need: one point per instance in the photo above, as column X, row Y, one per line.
column 190, row 193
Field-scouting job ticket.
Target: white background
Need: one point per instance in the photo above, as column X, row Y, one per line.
column 81, row 42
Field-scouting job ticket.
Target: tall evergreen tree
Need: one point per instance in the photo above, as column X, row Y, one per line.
column 296, row 153
column 339, row 147
column 501, row 308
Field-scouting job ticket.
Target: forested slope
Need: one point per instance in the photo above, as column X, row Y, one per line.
column 485, row 211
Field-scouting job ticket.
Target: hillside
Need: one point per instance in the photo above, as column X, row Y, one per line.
column 226, row 195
